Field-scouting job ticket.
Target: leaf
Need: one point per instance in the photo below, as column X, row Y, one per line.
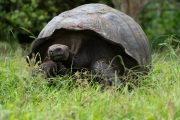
column 32, row 35
column 162, row 44
column 171, row 110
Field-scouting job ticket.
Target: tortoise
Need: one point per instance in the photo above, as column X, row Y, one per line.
column 96, row 37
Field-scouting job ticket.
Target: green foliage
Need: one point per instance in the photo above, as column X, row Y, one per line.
column 32, row 15
column 23, row 97
column 31, row 34
column 160, row 19
column 171, row 44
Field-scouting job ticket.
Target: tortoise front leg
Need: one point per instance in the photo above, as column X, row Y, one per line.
column 50, row 69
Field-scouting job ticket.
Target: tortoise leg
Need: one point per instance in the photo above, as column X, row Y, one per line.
column 104, row 71
column 50, row 69
column 47, row 69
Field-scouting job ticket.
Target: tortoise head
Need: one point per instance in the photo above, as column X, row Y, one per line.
column 58, row 52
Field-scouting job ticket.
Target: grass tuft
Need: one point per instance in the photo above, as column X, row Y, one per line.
column 23, row 97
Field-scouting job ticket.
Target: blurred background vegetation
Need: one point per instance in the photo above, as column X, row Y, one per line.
column 159, row 18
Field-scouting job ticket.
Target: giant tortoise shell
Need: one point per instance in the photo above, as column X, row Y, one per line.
column 116, row 28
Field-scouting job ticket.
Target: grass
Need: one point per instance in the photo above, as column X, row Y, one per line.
column 25, row 98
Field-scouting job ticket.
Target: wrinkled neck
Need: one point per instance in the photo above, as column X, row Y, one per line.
column 69, row 62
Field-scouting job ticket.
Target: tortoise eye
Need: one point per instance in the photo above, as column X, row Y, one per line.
column 58, row 49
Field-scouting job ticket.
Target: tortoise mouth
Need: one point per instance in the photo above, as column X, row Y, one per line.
column 58, row 58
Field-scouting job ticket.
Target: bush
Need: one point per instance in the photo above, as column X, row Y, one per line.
column 160, row 19
column 31, row 14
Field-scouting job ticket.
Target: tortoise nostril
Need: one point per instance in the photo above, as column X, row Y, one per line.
column 50, row 51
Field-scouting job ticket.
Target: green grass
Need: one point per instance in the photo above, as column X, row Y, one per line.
column 25, row 98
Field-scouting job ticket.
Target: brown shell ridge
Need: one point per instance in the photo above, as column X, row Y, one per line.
column 127, row 23
column 139, row 34
column 36, row 44
column 148, row 50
